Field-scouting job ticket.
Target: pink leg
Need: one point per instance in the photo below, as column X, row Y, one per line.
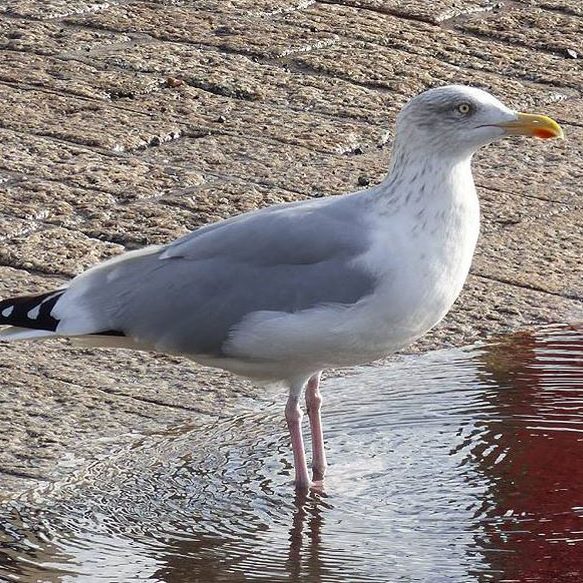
column 293, row 416
column 313, row 405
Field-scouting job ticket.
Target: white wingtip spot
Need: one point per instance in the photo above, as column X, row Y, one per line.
column 33, row 314
column 7, row 311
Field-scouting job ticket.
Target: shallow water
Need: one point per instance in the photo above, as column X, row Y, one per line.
column 461, row 465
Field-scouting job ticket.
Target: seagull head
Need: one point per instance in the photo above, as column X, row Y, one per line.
column 457, row 120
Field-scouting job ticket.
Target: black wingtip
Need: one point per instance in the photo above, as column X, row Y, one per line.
column 35, row 312
column 31, row 311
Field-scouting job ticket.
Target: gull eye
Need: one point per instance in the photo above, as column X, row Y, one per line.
column 464, row 108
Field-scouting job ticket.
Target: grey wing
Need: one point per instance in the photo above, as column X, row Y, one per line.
column 189, row 295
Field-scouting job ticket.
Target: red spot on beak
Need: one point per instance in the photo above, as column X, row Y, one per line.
column 543, row 133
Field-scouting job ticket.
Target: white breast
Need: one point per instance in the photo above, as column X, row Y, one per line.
column 422, row 255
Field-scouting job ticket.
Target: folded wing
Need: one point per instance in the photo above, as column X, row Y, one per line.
column 188, row 296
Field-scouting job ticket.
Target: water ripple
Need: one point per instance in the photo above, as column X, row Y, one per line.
column 461, row 465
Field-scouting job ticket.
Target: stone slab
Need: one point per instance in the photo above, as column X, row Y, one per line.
column 272, row 163
column 432, row 12
column 124, row 177
column 528, row 26
column 240, row 78
column 51, row 202
column 488, row 307
column 551, row 171
column 55, row 250
column 246, row 33
column 81, row 121
column 503, row 251
column 51, row 37
column 572, row 7
column 70, row 76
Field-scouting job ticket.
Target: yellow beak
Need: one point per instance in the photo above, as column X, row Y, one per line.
column 538, row 126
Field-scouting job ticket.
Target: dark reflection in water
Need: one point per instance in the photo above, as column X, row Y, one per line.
column 536, row 441
column 463, row 465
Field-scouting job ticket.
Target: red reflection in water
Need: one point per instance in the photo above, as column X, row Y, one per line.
column 538, row 484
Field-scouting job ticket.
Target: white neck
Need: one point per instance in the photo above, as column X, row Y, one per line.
column 429, row 212
column 426, row 181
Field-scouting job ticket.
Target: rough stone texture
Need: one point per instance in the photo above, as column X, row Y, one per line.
column 432, row 12
column 129, row 123
column 546, row 30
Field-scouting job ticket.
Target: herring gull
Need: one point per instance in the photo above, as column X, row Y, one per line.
column 282, row 293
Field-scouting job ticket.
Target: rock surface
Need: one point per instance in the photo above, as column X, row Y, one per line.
column 126, row 123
